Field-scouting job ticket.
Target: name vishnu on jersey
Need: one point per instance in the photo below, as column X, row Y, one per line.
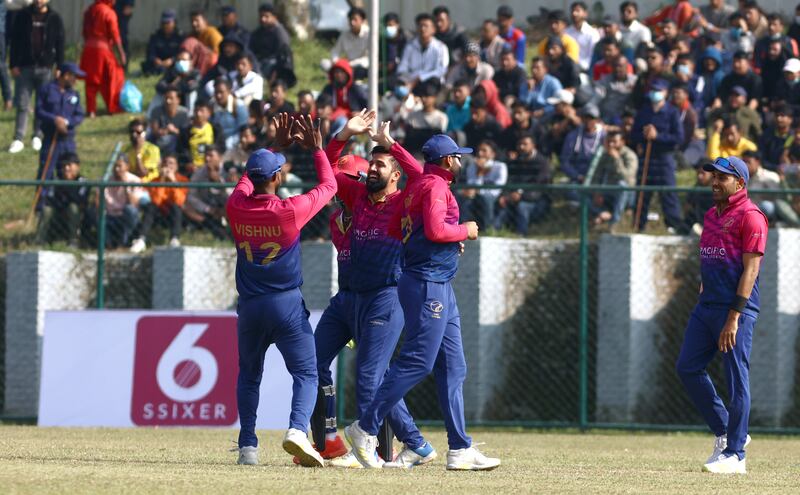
column 247, row 230
column 713, row 253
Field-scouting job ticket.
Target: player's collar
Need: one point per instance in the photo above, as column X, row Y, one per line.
column 433, row 169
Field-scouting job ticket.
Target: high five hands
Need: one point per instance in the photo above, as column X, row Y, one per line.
column 360, row 123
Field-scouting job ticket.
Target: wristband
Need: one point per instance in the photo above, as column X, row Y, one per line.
column 739, row 304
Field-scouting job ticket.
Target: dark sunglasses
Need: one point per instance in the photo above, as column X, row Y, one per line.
column 727, row 165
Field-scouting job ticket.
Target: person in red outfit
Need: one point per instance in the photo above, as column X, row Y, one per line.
column 103, row 71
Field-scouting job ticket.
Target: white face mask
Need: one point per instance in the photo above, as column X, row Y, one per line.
column 391, row 31
column 183, row 66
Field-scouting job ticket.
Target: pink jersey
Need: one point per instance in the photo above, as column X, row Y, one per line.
column 375, row 254
column 266, row 230
column 340, row 237
column 740, row 229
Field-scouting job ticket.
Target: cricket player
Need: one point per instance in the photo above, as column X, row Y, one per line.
column 373, row 275
column 432, row 237
column 336, row 327
column 733, row 242
column 271, row 309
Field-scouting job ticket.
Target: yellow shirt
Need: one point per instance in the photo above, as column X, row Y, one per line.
column 199, row 138
column 211, row 37
column 571, row 47
column 716, row 148
column 150, row 156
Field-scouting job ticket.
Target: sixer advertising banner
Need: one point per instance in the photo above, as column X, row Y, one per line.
column 152, row 368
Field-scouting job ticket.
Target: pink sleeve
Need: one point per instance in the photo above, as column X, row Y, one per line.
column 754, row 232
column 410, row 165
column 305, row 206
column 434, row 213
column 334, row 150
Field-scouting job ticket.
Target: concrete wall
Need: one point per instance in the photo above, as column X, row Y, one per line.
column 469, row 13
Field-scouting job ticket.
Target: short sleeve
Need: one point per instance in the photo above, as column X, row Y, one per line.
column 754, row 232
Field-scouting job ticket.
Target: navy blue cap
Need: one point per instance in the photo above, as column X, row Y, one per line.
column 168, row 15
column 263, row 165
column 228, row 9
column 732, row 165
column 71, row 67
column 441, row 145
column 659, row 85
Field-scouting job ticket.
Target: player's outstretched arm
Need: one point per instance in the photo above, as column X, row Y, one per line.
column 309, row 204
column 434, row 213
column 410, row 165
column 358, row 124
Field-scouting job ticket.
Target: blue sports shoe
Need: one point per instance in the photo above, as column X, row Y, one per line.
column 409, row 458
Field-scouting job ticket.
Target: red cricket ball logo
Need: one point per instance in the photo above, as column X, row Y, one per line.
column 185, row 371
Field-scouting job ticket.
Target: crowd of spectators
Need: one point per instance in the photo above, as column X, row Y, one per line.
column 599, row 98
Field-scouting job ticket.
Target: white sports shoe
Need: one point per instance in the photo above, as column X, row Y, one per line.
column 364, row 446
column 138, row 245
column 174, row 242
column 409, row 458
column 16, row 146
column 36, row 143
column 720, row 444
column 296, row 443
column 470, row 459
column 347, row 461
column 726, row 464
column 248, row 456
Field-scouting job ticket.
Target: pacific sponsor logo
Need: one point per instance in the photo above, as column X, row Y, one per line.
column 367, row 234
column 713, row 252
column 185, row 371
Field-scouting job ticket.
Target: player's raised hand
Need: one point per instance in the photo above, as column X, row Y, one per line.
column 472, row 230
column 360, row 123
column 383, row 137
column 308, row 133
column 283, row 129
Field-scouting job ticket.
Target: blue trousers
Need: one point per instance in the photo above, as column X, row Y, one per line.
column 661, row 173
column 432, row 344
column 379, row 323
column 280, row 318
column 699, row 347
column 335, row 329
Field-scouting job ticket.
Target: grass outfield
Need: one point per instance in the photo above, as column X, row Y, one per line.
column 48, row 460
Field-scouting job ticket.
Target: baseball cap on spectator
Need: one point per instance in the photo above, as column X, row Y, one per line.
column 739, row 91
column 731, row 165
column 169, row 15
column 557, row 15
column 227, row 9
column 472, row 48
column 792, row 65
column 263, row 165
column 440, row 146
column 563, row 96
column 71, row 67
column 266, row 8
column 505, row 12
column 659, row 85
column 590, row 110
column 608, row 21
column 353, row 166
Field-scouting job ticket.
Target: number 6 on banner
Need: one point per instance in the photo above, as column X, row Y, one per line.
column 183, row 349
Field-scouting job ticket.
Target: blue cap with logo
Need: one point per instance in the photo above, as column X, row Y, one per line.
column 441, row 145
column 731, row 165
column 71, row 67
column 263, row 165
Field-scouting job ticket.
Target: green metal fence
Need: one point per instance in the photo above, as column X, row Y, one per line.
column 549, row 350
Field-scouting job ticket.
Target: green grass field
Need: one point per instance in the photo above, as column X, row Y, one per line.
column 48, row 460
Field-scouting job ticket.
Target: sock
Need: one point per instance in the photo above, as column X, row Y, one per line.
column 330, row 436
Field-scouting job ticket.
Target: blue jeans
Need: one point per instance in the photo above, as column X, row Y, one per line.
column 120, row 228
column 521, row 215
column 279, row 318
column 699, row 348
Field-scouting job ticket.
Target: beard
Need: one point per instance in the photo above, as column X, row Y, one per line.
column 376, row 184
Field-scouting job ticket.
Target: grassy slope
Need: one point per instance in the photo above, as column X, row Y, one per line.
column 45, row 460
